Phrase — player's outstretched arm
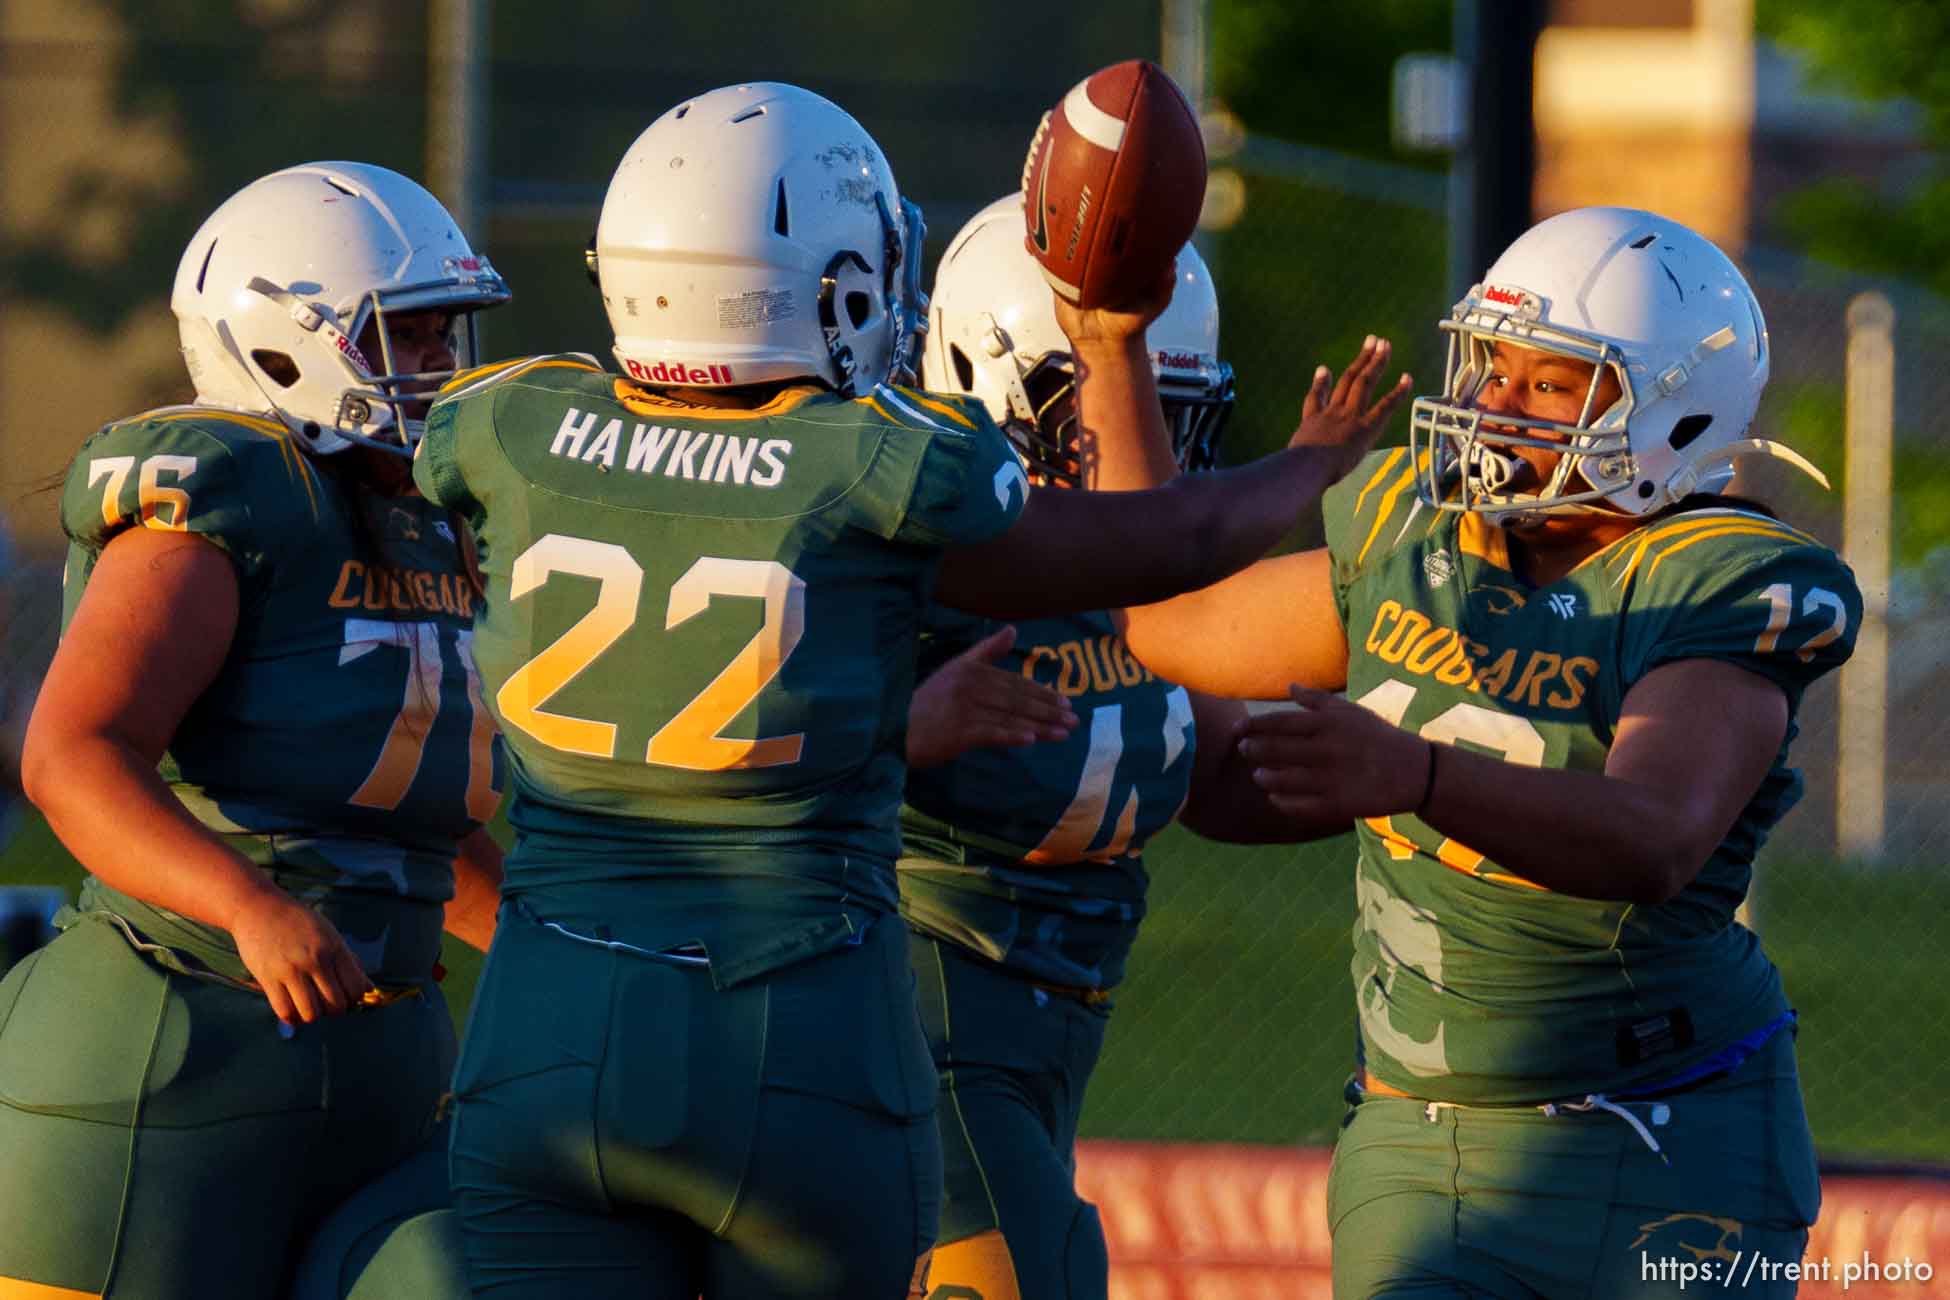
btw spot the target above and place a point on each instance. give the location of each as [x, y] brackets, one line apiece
[1076, 551]
[1225, 803]
[149, 636]
[1693, 743]
[1253, 634]
[1122, 442]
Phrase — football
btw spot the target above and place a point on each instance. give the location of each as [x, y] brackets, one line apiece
[1113, 184]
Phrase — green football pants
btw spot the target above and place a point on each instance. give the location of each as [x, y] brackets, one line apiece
[624, 1128]
[1509, 1202]
[396, 1237]
[1013, 1061]
[164, 1141]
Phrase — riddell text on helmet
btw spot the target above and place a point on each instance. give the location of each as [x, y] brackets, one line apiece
[677, 372]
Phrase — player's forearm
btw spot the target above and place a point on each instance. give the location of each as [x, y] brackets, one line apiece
[1579, 833]
[1231, 809]
[112, 810]
[470, 913]
[1121, 432]
[1102, 550]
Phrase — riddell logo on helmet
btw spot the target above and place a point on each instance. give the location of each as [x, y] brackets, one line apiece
[676, 372]
[1508, 297]
[351, 349]
[1180, 360]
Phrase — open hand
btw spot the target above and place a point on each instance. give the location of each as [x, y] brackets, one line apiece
[969, 703]
[298, 958]
[1339, 414]
[1333, 760]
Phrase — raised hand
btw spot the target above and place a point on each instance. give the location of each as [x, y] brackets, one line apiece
[969, 703]
[1339, 413]
[1116, 324]
[1333, 760]
[298, 958]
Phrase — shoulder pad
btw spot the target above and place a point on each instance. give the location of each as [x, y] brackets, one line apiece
[1367, 511]
[467, 382]
[911, 408]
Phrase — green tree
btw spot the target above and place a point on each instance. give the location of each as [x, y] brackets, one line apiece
[1880, 50]
[1319, 73]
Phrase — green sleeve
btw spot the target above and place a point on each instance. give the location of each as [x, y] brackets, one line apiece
[250, 492]
[964, 482]
[1356, 511]
[436, 461]
[1748, 592]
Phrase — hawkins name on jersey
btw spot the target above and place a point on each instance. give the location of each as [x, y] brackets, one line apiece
[699, 638]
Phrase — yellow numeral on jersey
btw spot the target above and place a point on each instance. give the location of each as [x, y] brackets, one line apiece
[399, 760]
[521, 697]
[481, 796]
[406, 741]
[1780, 613]
[1513, 738]
[151, 494]
[1069, 840]
[691, 739]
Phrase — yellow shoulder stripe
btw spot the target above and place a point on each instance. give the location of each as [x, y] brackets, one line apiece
[462, 378]
[1387, 465]
[1386, 505]
[1632, 549]
[879, 410]
[936, 404]
[1732, 530]
[504, 370]
[296, 462]
[255, 423]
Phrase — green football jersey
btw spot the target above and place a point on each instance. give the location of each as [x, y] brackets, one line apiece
[343, 747]
[699, 639]
[1032, 856]
[1473, 984]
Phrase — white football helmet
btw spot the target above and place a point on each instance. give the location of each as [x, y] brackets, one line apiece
[994, 335]
[755, 234]
[1639, 294]
[272, 293]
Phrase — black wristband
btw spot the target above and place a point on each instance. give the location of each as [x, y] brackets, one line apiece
[1428, 787]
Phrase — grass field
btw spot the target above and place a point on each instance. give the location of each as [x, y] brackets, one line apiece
[1236, 1023]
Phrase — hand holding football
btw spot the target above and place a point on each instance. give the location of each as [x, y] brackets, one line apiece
[1113, 184]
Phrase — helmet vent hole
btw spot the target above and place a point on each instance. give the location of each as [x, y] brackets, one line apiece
[1642, 243]
[283, 371]
[681, 110]
[781, 220]
[964, 368]
[1689, 428]
[1645, 490]
[341, 186]
[859, 308]
[204, 270]
[749, 114]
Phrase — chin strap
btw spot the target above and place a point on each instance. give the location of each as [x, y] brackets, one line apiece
[1687, 479]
